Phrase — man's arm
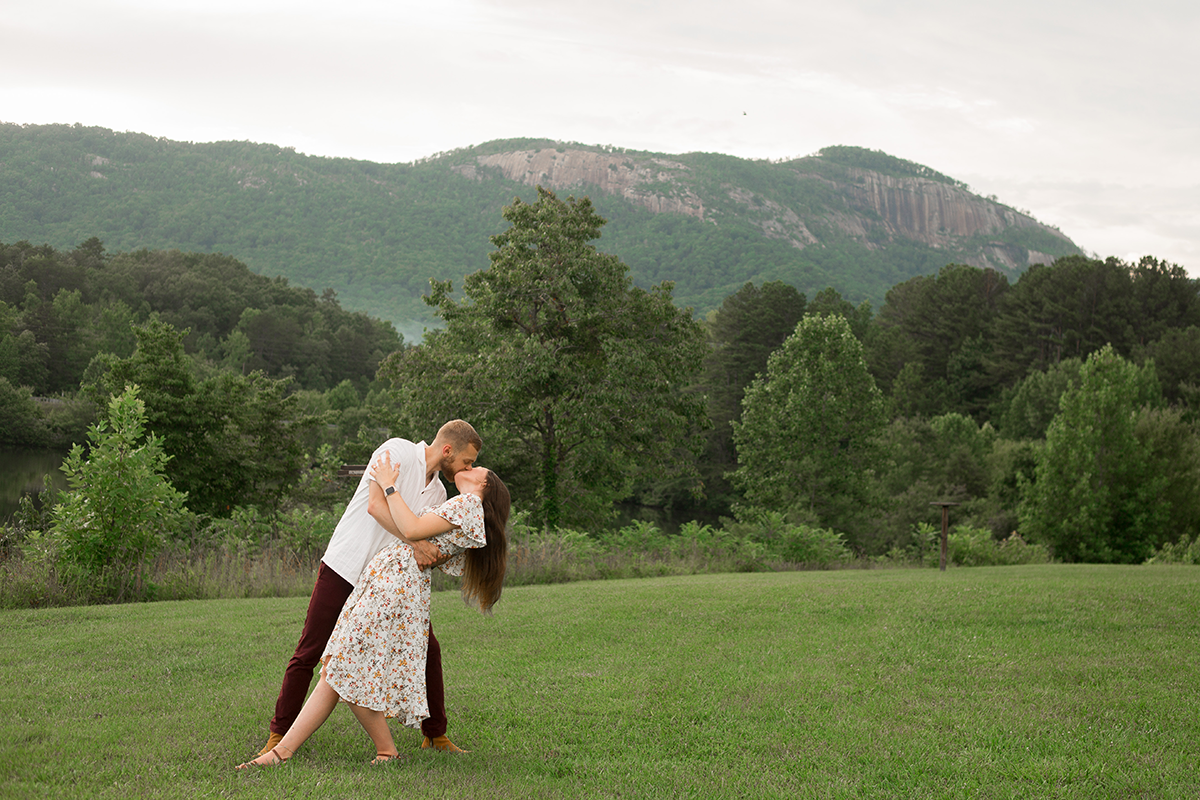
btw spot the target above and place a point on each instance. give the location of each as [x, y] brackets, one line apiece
[426, 552]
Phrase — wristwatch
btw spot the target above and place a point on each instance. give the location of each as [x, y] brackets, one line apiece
[389, 491]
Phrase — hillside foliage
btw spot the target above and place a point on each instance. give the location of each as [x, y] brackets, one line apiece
[378, 233]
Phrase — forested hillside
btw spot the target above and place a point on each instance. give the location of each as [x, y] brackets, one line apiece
[58, 310]
[852, 219]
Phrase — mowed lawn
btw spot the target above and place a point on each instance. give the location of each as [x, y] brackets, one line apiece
[1042, 681]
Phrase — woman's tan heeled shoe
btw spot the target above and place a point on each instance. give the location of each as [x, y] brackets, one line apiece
[385, 758]
[278, 759]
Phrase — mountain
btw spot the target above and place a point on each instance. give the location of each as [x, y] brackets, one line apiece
[854, 219]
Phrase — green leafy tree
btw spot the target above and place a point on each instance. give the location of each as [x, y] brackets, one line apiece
[10, 362]
[21, 422]
[830, 301]
[1035, 400]
[921, 460]
[32, 359]
[233, 439]
[930, 344]
[119, 507]
[1176, 360]
[1097, 496]
[1069, 309]
[743, 333]
[807, 435]
[1173, 447]
[574, 376]
[1164, 299]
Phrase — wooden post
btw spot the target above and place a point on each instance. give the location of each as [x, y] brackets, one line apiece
[945, 528]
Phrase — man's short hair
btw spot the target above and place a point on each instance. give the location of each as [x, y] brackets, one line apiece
[458, 433]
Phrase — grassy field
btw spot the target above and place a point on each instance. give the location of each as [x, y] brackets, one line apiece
[1014, 682]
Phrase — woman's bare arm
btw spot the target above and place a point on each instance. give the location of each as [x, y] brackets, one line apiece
[409, 524]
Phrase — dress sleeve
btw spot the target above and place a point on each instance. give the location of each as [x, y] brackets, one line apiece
[465, 511]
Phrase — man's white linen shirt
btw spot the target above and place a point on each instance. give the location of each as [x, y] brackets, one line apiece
[358, 537]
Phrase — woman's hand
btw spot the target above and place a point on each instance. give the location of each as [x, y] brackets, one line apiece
[385, 472]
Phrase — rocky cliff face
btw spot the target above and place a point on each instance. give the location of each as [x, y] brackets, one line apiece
[652, 183]
[939, 214]
[876, 208]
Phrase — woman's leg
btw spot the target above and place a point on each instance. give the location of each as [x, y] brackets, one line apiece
[317, 708]
[375, 724]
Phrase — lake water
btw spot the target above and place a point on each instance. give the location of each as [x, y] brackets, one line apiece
[22, 471]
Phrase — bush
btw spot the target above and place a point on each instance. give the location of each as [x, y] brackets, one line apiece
[21, 422]
[805, 544]
[119, 509]
[976, 547]
[1185, 551]
[793, 542]
[638, 536]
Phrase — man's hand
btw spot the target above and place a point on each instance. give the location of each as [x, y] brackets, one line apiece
[427, 553]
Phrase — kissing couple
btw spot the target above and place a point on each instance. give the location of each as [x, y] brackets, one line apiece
[368, 617]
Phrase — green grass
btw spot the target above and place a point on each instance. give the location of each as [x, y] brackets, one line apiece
[1034, 681]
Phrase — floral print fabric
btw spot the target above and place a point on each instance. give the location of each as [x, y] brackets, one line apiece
[376, 655]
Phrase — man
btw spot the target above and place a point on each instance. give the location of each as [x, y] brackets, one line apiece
[365, 528]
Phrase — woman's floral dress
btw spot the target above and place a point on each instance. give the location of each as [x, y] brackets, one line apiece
[376, 655]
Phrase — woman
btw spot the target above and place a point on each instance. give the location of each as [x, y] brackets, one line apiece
[375, 659]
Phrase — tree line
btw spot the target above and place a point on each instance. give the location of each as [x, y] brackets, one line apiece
[1060, 409]
[65, 317]
[1075, 390]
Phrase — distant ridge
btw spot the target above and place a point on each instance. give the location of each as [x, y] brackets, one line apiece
[855, 219]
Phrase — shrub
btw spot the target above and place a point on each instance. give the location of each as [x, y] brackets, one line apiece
[1185, 551]
[805, 544]
[976, 547]
[637, 536]
[119, 509]
[794, 542]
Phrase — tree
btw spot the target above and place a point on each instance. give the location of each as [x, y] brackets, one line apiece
[807, 434]
[1173, 448]
[830, 301]
[743, 333]
[1034, 401]
[119, 507]
[1164, 299]
[233, 439]
[1096, 496]
[575, 378]
[1176, 359]
[21, 422]
[931, 340]
[1069, 309]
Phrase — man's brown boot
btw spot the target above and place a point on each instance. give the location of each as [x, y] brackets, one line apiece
[442, 743]
[272, 740]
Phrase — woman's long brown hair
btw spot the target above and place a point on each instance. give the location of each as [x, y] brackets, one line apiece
[483, 576]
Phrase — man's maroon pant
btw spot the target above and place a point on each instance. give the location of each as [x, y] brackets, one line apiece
[324, 607]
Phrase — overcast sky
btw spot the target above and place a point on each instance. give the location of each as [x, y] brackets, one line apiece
[1084, 113]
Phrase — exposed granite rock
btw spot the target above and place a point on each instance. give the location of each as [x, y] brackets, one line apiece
[610, 172]
[878, 208]
[929, 211]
